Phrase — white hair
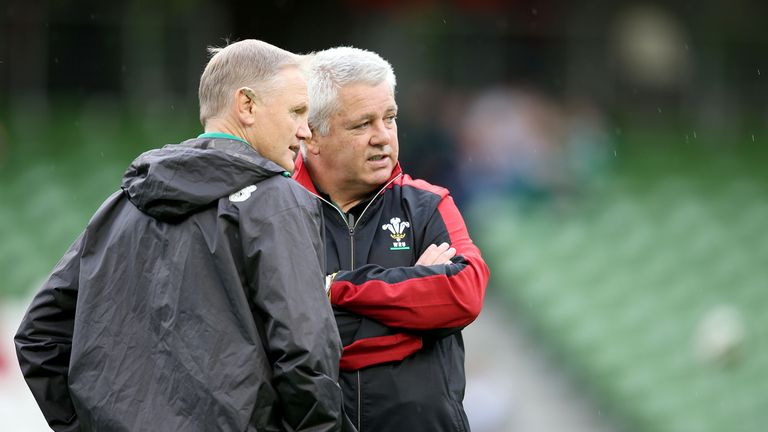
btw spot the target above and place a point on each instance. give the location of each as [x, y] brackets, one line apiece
[334, 68]
[247, 63]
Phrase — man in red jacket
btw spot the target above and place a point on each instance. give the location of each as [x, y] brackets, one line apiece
[404, 276]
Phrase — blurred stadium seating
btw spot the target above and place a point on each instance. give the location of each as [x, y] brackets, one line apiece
[619, 286]
[59, 175]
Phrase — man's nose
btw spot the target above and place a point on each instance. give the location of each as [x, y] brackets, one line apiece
[382, 135]
[304, 132]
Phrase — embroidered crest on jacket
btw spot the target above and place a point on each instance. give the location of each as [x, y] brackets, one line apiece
[396, 228]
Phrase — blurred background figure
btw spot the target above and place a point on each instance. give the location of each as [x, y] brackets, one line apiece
[17, 406]
[520, 144]
[610, 157]
[5, 359]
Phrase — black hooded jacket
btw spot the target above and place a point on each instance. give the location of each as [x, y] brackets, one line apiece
[193, 301]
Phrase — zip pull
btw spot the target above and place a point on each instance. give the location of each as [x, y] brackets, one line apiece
[351, 223]
[351, 227]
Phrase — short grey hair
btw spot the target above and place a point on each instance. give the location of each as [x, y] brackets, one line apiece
[334, 68]
[246, 63]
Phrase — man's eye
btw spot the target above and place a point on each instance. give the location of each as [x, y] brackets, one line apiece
[391, 119]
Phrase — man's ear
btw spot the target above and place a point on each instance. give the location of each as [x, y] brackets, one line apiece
[245, 102]
[312, 145]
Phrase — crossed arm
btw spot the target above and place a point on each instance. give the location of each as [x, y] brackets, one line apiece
[444, 290]
[436, 255]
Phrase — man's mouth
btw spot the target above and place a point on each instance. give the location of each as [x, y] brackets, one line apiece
[377, 158]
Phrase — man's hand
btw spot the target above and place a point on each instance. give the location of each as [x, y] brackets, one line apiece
[437, 255]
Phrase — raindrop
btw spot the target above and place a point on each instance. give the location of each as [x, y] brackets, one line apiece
[659, 108]
[753, 137]
[614, 153]
[686, 138]
[443, 20]
[534, 11]
[758, 71]
[694, 134]
[686, 47]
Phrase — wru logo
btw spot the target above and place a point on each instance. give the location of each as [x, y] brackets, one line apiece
[396, 228]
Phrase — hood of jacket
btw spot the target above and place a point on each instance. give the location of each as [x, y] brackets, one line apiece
[177, 180]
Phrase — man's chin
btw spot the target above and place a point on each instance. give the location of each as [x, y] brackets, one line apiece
[379, 178]
[287, 164]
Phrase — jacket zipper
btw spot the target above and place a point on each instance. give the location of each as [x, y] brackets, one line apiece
[359, 403]
[351, 225]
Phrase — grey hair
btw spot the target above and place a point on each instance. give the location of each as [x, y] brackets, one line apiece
[334, 68]
[246, 63]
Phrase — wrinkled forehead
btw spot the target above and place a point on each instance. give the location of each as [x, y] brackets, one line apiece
[366, 97]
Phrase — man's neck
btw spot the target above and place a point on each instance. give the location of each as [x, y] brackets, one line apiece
[223, 125]
[344, 196]
[346, 199]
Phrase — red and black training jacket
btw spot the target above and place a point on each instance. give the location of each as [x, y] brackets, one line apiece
[391, 313]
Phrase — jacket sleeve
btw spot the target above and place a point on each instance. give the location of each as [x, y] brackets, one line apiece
[437, 298]
[44, 341]
[283, 261]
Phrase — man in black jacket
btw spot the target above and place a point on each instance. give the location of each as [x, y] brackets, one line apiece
[404, 275]
[193, 300]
